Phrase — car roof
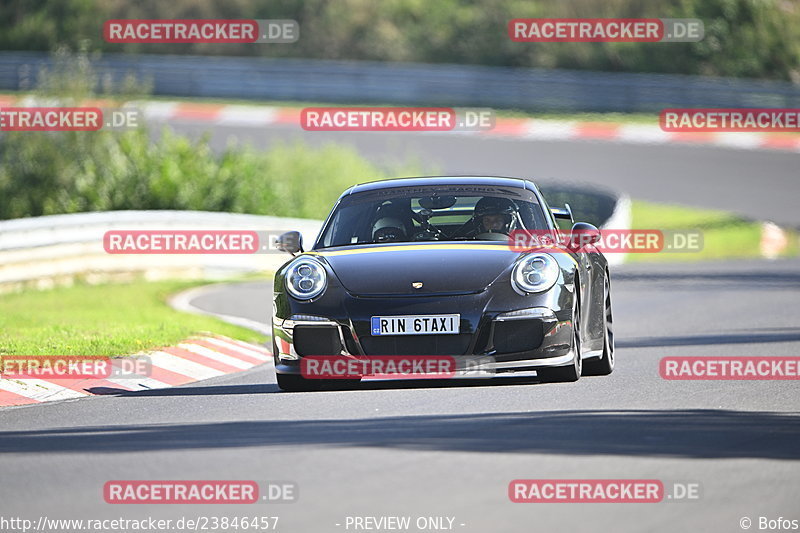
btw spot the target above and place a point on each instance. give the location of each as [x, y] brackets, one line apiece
[499, 181]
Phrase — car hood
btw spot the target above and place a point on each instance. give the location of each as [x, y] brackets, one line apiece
[442, 268]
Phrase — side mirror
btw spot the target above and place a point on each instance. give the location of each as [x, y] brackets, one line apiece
[583, 234]
[291, 241]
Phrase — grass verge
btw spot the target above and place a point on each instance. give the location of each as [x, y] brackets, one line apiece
[725, 235]
[109, 319]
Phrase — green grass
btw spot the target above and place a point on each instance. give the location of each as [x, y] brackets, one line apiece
[112, 319]
[725, 236]
[611, 118]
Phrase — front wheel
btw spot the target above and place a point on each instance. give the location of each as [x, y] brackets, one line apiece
[605, 364]
[295, 383]
[571, 372]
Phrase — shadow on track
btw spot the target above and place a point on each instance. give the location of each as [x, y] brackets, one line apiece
[788, 335]
[668, 433]
[272, 387]
[211, 390]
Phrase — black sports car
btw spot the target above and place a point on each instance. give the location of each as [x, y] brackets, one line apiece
[423, 267]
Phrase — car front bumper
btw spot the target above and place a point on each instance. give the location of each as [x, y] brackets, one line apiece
[519, 339]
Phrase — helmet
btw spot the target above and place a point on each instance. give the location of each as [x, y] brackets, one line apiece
[493, 206]
[388, 229]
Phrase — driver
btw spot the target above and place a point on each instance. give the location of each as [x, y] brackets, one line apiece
[494, 215]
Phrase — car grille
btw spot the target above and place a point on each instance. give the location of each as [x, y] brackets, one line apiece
[416, 344]
[317, 340]
[513, 336]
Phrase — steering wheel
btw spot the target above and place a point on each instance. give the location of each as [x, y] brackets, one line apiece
[423, 217]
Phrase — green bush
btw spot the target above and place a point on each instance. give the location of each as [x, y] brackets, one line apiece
[46, 174]
[71, 172]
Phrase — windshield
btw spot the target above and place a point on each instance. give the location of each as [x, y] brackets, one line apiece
[431, 214]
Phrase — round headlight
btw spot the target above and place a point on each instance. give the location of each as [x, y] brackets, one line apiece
[306, 279]
[535, 273]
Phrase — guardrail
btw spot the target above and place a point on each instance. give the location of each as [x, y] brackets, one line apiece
[365, 82]
[55, 250]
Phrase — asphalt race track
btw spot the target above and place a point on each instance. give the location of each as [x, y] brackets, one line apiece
[451, 449]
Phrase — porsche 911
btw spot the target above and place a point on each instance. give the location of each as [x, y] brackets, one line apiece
[423, 267]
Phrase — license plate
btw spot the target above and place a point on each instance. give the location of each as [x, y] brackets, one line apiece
[415, 324]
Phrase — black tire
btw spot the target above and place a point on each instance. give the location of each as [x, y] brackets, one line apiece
[572, 371]
[605, 364]
[296, 383]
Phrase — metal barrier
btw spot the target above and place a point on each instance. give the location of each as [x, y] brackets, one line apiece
[365, 82]
[42, 252]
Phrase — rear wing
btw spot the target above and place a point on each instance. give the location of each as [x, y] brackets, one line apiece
[565, 212]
